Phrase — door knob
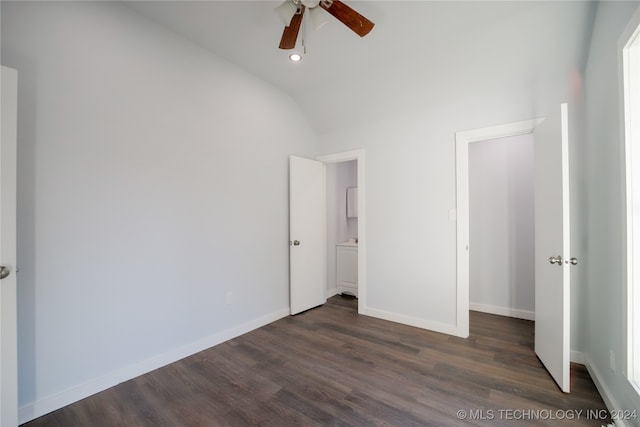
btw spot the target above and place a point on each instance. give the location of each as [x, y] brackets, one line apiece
[555, 260]
[296, 243]
[572, 261]
[4, 272]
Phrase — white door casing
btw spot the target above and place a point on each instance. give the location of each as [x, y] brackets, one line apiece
[306, 234]
[552, 243]
[8, 314]
[463, 139]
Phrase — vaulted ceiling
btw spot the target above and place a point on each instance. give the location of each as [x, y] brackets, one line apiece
[420, 53]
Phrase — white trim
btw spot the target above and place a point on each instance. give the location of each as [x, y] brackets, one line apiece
[344, 156]
[502, 311]
[357, 155]
[412, 321]
[332, 292]
[56, 401]
[325, 259]
[628, 64]
[463, 139]
[566, 247]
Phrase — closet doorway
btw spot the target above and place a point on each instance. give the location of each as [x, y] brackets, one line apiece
[553, 258]
[501, 226]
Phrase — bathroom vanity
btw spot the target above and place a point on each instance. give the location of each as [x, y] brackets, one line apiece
[347, 268]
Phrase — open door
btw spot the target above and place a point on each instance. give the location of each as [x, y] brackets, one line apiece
[552, 262]
[306, 234]
[8, 325]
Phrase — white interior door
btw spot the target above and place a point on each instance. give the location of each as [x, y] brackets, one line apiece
[306, 234]
[8, 328]
[552, 262]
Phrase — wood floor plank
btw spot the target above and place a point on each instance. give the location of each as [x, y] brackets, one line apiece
[332, 367]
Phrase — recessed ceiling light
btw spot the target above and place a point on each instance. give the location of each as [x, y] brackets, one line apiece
[295, 57]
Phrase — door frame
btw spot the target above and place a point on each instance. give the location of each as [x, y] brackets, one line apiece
[359, 157]
[463, 139]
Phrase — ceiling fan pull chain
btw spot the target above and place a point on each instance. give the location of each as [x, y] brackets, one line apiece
[304, 37]
[304, 45]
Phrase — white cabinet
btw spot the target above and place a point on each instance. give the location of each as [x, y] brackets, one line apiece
[347, 268]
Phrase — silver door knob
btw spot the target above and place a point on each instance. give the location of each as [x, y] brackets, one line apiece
[572, 261]
[4, 272]
[296, 243]
[555, 260]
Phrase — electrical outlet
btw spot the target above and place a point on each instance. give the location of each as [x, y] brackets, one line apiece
[612, 361]
[229, 298]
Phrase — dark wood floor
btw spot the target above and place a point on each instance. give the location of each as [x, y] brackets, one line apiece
[330, 366]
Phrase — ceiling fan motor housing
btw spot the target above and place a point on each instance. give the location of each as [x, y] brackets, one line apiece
[312, 4]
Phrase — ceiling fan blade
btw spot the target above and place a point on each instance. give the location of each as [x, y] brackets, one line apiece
[290, 33]
[349, 17]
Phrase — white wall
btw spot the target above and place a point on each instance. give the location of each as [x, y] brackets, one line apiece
[152, 180]
[501, 226]
[604, 146]
[339, 176]
[410, 181]
[410, 178]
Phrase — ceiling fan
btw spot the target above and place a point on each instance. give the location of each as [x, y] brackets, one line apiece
[292, 11]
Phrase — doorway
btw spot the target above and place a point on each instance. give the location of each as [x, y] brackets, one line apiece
[345, 226]
[463, 140]
[307, 230]
[501, 226]
[341, 181]
[552, 257]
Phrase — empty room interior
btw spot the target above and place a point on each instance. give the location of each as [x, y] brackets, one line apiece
[320, 213]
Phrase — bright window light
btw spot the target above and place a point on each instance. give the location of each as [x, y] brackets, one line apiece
[631, 69]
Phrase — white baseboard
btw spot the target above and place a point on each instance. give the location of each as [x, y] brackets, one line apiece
[503, 311]
[331, 292]
[577, 357]
[66, 397]
[606, 394]
[412, 321]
